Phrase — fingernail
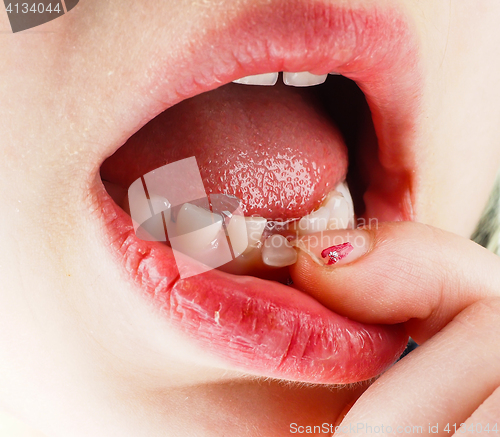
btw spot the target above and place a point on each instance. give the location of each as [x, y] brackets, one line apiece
[336, 248]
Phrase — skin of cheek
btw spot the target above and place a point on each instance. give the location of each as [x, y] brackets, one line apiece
[458, 146]
[56, 303]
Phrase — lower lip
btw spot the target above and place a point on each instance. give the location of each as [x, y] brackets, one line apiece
[257, 326]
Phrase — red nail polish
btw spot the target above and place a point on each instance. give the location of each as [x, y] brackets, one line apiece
[336, 253]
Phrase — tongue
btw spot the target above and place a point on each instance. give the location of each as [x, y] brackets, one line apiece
[272, 147]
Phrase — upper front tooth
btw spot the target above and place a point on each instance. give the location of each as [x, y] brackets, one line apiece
[316, 221]
[259, 79]
[303, 78]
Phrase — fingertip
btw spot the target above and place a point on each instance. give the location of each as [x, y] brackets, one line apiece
[408, 271]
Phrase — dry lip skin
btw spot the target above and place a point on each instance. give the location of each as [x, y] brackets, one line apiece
[263, 327]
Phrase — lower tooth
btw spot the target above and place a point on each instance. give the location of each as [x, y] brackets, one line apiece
[161, 210]
[317, 221]
[339, 212]
[343, 189]
[336, 212]
[160, 204]
[195, 229]
[237, 233]
[278, 252]
[199, 243]
[303, 78]
[147, 226]
[255, 227]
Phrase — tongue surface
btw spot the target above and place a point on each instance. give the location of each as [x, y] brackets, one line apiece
[272, 147]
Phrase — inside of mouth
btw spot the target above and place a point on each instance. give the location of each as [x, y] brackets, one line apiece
[280, 151]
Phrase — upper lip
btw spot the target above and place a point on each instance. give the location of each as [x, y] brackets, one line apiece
[372, 45]
[376, 48]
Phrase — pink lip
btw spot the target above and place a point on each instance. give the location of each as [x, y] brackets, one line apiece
[263, 327]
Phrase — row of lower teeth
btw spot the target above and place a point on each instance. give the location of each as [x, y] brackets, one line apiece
[302, 79]
[201, 234]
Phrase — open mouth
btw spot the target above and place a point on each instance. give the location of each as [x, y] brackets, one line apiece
[331, 147]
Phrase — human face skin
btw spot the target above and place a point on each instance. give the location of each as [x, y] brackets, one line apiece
[82, 352]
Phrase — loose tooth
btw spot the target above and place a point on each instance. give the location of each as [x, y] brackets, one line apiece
[255, 228]
[277, 252]
[340, 217]
[195, 228]
[303, 78]
[267, 79]
[343, 189]
[237, 233]
[316, 221]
